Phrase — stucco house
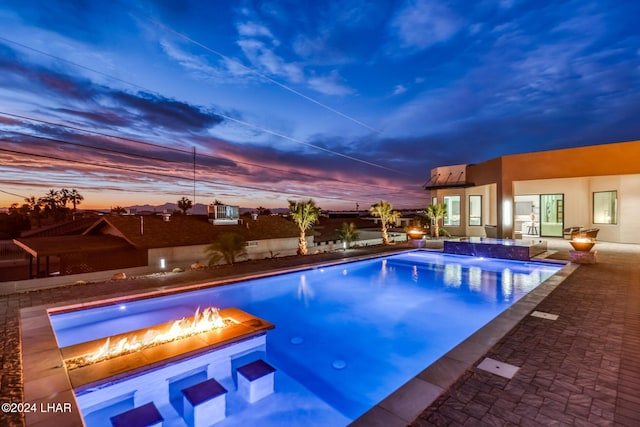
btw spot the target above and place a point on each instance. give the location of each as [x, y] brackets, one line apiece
[539, 194]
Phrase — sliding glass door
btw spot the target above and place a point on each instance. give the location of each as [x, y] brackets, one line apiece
[551, 215]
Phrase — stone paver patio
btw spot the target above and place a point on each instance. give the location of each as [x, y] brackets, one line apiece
[581, 369]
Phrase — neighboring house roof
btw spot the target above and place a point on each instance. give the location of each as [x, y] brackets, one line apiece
[75, 227]
[61, 245]
[186, 230]
[269, 227]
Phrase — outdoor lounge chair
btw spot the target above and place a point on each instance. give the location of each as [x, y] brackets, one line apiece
[571, 232]
[591, 233]
[491, 231]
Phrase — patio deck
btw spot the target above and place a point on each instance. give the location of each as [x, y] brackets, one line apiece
[581, 369]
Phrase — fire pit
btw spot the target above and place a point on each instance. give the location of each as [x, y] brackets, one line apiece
[583, 244]
[95, 362]
[205, 321]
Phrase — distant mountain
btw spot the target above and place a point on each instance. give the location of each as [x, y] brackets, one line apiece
[198, 209]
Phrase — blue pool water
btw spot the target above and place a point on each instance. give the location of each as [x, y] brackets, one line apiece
[350, 333]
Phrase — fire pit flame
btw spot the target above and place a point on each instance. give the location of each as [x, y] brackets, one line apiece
[206, 321]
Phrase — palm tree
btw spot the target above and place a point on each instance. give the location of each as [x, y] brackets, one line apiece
[387, 215]
[348, 233]
[118, 210]
[50, 201]
[304, 214]
[436, 213]
[263, 211]
[63, 197]
[184, 205]
[35, 207]
[75, 198]
[229, 246]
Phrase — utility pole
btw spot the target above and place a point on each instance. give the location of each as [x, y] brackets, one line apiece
[194, 176]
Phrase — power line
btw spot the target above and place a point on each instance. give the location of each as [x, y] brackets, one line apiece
[13, 194]
[244, 123]
[63, 60]
[293, 172]
[78, 144]
[184, 151]
[290, 138]
[121, 168]
[107, 135]
[159, 174]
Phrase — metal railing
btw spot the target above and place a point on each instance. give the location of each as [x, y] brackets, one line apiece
[9, 250]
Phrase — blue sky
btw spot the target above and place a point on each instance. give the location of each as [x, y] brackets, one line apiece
[344, 102]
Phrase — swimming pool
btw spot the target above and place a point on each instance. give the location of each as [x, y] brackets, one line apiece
[350, 334]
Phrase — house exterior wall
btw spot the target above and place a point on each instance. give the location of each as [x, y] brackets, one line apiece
[578, 202]
[628, 208]
[260, 249]
[576, 197]
[490, 173]
[184, 256]
[489, 213]
[178, 256]
[374, 237]
[598, 160]
[440, 195]
[576, 173]
[365, 238]
[603, 167]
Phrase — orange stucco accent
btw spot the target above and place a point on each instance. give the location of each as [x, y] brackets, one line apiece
[608, 159]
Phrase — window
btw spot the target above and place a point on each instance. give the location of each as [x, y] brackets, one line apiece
[434, 200]
[605, 207]
[475, 210]
[524, 208]
[452, 217]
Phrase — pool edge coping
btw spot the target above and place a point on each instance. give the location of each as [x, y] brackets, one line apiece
[50, 383]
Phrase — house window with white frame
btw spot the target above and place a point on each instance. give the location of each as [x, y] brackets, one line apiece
[475, 210]
[605, 207]
[452, 216]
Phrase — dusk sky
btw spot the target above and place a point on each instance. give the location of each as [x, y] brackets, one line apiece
[345, 102]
